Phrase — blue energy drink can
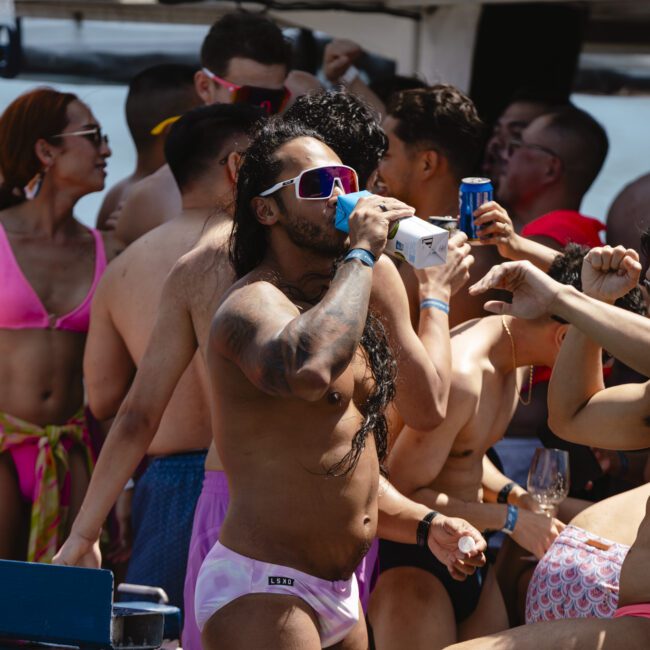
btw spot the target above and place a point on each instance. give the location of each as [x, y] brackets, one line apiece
[472, 194]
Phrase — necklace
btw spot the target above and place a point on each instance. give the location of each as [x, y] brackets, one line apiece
[514, 367]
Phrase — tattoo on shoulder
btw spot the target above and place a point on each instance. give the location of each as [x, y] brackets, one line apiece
[237, 331]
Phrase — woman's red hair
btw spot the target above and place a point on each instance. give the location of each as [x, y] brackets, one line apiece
[40, 113]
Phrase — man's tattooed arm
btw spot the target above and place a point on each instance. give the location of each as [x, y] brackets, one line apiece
[284, 352]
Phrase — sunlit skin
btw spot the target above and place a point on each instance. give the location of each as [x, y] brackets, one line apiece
[241, 72]
[156, 199]
[41, 369]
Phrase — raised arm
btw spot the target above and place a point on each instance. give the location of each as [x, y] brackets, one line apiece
[581, 409]
[338, 58]
[171, 348]
[623, 334]
[287, 353]
[424, 361]
[496, 229]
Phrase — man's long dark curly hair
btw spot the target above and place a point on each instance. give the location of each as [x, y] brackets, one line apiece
[383, 368]
[347, 124]
[260, 170]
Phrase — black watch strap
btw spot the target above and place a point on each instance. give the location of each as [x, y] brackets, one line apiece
[423, 529]
[502, 497]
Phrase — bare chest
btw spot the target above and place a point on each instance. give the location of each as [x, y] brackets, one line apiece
[492, 415]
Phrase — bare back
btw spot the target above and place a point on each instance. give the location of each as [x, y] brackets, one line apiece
[197, 285]
[133, 299]
[150, 202]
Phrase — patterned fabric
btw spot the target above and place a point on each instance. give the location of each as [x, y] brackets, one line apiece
[226, 575]
[577, 578]
[162, 513]
[51, 471]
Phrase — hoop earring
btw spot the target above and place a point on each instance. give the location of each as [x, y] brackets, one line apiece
[33, 187]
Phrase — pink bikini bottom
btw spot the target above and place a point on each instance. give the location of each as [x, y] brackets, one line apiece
[641, 610]
[577, 578]
[24, 457]
[226, 576]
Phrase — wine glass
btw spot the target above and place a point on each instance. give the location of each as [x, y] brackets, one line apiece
[548, 479]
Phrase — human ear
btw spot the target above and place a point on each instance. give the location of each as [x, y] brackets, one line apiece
[44, 153]
[430, 163]
[554, 169]
[233, 161]
[265, 209]
[560, 334]
[203, 87]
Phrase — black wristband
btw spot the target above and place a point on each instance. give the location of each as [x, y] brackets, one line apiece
[423, 529]
[502, 497]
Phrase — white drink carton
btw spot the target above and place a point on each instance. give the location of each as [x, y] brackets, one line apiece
[417, 242]
[413, 240]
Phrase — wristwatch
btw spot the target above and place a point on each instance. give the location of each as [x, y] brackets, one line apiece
[502, 497]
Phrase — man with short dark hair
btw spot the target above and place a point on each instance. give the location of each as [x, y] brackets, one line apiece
[203, 153]
[156, 97]
[244, 58]
[249, 50]
[548, 173]
[434, 137]
[523, 107]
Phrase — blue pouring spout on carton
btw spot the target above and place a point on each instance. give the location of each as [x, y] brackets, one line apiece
[345, 203]
[413, 240]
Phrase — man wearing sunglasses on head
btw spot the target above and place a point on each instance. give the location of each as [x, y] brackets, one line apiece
[244, 58]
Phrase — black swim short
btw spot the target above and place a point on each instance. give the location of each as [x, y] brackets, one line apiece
[463, 595]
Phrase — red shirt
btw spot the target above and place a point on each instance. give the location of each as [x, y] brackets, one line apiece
[566, 226]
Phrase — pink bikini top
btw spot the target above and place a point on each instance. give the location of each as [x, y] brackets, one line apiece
[21, 308]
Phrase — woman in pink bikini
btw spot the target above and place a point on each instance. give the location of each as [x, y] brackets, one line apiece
[52, 152]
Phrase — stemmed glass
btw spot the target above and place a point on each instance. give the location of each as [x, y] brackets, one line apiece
[548, 479]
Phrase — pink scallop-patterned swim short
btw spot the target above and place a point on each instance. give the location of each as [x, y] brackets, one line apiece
[577, 578]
